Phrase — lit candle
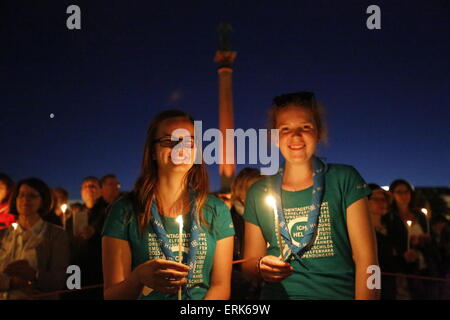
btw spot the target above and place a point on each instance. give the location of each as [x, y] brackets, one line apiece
[14, 225]
[273, 203]
[425, 212]
[409, 223]
[63, 210]
[179, 219]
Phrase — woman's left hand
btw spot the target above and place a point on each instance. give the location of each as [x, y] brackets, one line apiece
[21, 269]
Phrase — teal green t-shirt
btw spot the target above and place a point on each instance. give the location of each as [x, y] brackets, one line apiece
[122, 223]
[326, 270]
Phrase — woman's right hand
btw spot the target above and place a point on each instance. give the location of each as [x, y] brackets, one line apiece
[273, 269]
[162, 275]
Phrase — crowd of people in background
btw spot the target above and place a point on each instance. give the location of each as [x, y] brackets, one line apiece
[38, 238]
[411, 240]
[41, 233]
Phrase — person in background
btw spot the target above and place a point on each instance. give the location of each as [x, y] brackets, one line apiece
[440, 227]
[241, 288]
[110, 188]
[379, 204]
[243, 181]
[6, 187]
[419, 258]
[86, 240]
[34, 254]
[60, 196]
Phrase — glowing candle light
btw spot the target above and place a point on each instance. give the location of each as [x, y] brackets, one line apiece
[179, 220]
[409, 223]
[273, 203]
[14, 225]
[425, 212]
[63, 210]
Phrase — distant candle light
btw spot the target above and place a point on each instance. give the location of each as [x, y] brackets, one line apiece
[425, 212]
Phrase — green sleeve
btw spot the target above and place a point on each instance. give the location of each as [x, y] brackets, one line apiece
[355, 187]
[223, 224]
[116, 224]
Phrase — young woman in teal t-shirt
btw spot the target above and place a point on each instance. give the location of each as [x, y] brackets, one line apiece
[141, 234]
[327, 242]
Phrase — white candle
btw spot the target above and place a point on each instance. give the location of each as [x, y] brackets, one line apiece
[273, 203]
[425, 212]
[14, 225]
[179, 220]
[63, 210]
[409, 223]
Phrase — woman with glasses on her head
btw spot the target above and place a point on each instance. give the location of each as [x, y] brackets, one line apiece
[313, 239]
[34, 254]
[141, 234]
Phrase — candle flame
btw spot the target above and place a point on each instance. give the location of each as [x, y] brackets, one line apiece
[179, 220]
[409, 223]
[64, 207]
[424, 211]
[14, 225]
[271, 201]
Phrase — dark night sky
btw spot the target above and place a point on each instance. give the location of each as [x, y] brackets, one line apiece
[386, 91]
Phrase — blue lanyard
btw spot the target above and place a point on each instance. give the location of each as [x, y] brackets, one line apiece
[163, 240]
[319, 170]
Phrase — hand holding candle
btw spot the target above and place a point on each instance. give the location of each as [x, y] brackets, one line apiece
[179, 220]
[273, 203]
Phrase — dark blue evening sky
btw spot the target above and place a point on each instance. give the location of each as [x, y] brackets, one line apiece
[386, 91]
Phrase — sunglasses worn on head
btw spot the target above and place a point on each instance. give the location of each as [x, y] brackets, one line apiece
[167, 142]
[288, 98]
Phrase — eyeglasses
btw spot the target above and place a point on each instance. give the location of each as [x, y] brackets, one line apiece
[167, 142]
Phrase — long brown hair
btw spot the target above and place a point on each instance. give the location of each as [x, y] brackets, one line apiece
[196, 179]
